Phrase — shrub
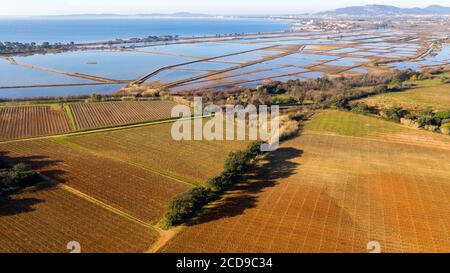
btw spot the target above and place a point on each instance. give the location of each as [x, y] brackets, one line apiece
[288, 130]
[185, 204]
[218, 183]
[236, 163]
[381, 89]
[16, 177]
[427, 117]
[443, 115]
[362, 108]
[254, 149]
[395, 113]
[297, 116]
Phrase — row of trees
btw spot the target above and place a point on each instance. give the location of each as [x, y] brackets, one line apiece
[426, 118]
[324, 91]
[185, 205]
[19, 48]
[24, 48]
[237, 164]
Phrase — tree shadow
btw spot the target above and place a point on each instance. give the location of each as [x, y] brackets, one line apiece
[244, 195]
[10, 202]
[10, 206]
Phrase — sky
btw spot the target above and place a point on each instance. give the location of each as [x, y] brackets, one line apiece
[227, 7]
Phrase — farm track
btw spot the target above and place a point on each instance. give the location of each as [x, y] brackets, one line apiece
[61, 164]
[315, 194]
[96, 202]
[47, 218]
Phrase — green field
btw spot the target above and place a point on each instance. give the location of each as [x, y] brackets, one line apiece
[349, 124]
[427, 93]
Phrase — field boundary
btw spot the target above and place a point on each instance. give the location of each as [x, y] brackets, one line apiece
[107, 129]
[63, 141]
[69, 113]
[314, 132]
[93, 200]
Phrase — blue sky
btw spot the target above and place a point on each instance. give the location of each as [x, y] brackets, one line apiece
[51, 7]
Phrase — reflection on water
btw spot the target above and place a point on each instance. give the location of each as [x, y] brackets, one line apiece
[13, 75]
[17, 93]
[120, 65]
[440, 58]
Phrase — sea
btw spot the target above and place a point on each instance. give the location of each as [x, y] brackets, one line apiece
[48, 29]
[117, 65]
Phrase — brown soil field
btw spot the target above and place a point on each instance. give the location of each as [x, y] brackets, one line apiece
[97, 115]
[153, 147]
[131, 189]
[45, 220]
[335, 190]
[32, 121]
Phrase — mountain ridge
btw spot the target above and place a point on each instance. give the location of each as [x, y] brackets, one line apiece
[380, 10]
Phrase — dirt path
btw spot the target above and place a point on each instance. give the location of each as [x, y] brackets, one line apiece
[164, 237]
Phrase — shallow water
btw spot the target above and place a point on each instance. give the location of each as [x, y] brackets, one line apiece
[441, 57]
[118, 65]
[174, 75]
[203, 49]
[14, 75]
[35, 92]
[347, 61]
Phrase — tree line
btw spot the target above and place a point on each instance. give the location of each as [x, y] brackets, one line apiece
[16, 177]
[187, 204]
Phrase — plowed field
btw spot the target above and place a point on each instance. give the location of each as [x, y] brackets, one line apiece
[47, 219]
[32, 121]
[97, 115]
[346, 181]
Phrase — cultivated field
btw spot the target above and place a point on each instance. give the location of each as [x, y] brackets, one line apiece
[47, 219]
[133, 190]
[97, 115]
[32, 121]
[428, 94]
[346, 181]
[154, 148]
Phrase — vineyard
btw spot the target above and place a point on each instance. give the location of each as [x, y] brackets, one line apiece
[138, 192]
[153, 147]
[98, 115]
[32, 121]
[47, 219]
[130, 174]
[332, 190]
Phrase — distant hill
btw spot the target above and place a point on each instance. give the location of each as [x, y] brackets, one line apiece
[380, 10]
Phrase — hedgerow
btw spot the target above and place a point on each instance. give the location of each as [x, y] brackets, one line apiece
[187, 204]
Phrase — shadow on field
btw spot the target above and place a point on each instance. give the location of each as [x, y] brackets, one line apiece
[10, 206]
[10, 202]
[244, 195]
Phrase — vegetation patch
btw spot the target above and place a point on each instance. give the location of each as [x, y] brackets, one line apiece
[185, 205]
[16, 177]
[70, 115]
